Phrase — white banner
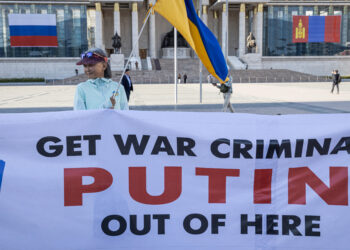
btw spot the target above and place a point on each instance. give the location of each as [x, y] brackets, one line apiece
[172, 180]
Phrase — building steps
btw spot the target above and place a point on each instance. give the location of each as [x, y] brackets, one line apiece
[191, 68]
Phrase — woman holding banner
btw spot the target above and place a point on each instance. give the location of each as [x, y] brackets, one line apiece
[98, 91]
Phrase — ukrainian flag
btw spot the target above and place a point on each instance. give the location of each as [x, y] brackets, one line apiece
[182, 15]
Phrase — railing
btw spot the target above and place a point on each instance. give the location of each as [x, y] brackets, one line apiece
[248, 79]
[169, 79]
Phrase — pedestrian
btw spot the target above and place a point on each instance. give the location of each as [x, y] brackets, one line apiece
[76, 72]
[127, 83]
[179, 78]
[226, 89]
[98, 92]
[185, 78]
[336, 80]
[210, 78]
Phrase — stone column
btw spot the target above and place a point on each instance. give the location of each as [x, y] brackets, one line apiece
[255, 23]
[345, 25]
[99, 30]
[259, 27]
[216, 25]
[224, 31]
[135, 28]
[242, 33]
[116, 18]
[205, 14]
[152, 34]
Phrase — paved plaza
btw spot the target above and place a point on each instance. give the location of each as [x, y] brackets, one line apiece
[259, 98]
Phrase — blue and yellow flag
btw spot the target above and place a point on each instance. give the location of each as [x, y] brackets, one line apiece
[182, 15]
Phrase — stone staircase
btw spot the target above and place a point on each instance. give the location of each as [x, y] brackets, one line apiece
[191, 68]
[273, 75]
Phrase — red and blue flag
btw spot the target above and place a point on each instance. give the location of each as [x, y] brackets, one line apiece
[316, 29]
[33, 30]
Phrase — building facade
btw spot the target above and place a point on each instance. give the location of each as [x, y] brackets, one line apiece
[84, 24]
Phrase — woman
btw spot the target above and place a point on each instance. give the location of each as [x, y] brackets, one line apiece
[98, 91]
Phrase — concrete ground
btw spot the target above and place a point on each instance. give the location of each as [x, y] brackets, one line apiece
[259, 98]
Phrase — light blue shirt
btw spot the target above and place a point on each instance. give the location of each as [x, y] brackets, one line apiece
[96, 93]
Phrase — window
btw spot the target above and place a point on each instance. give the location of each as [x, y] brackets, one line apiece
[309, 13]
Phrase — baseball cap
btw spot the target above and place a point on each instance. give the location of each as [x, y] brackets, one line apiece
[91, 57]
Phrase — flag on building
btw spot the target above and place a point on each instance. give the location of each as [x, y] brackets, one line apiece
[316, 29]
[33, 30]
[182, 15]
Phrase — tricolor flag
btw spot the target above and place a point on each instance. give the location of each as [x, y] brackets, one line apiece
[182, 15]
[33, 30]
[316, 29]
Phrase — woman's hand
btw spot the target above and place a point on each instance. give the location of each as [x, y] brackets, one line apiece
[112, 101]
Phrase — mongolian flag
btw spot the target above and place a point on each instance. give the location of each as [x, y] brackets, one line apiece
[316, 29]
[182, 15]
[33, 30]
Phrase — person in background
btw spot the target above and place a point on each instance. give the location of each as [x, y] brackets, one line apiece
[179, 78]
[336, 80]
[185, 78]
[98, 92]
[76, 72]
[127, 83]
[210, 78]
[227, 92]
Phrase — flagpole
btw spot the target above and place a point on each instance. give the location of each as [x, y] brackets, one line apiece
[226, 38]
[175, 63]
[200, 62]
[133, 49]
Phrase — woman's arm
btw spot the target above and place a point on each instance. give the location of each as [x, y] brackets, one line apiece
[113, 101]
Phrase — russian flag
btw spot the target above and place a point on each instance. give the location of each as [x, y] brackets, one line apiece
[316, 29]
[33, 30]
